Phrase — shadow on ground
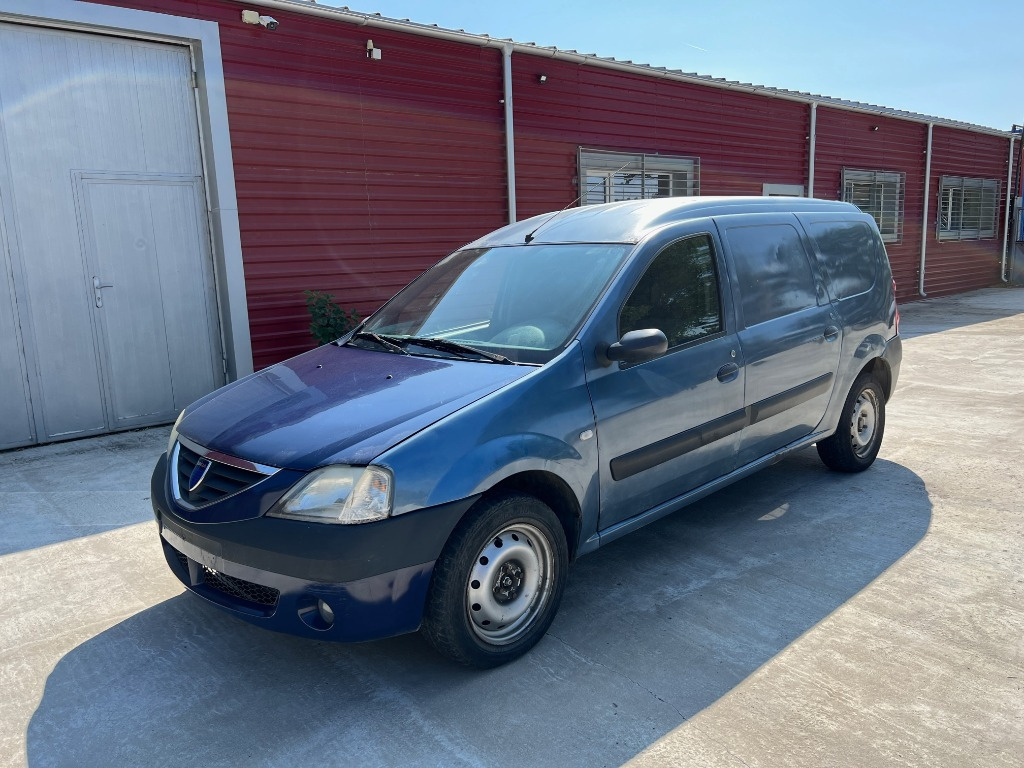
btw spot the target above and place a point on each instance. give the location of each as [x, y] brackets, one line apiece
[63, 491]
[923, 317]
[653, 628]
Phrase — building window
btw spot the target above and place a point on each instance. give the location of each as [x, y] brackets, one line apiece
[607, 177]
[968, 208]
[879, 194]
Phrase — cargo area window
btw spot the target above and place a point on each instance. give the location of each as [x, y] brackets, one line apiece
[608, 177]
[968, 208]
[773, 270]
[848, 254]
[879, 194]
[678, 294]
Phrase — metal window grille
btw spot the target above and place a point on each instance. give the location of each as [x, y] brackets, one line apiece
[968, 208]
[607, 177]
[879, 194]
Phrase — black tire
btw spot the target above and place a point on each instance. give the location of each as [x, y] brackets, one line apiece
[498, 582]
[858, 437]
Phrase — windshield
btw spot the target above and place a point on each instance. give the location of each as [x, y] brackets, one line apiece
[521, 302]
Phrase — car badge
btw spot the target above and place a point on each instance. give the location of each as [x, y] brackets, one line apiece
[198, 474]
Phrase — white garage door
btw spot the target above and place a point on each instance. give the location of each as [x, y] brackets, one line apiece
[108, 315]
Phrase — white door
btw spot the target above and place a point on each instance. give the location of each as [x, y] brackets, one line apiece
[111, 321]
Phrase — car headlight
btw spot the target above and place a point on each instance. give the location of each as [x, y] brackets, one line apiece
[174, 433]
[338, 494]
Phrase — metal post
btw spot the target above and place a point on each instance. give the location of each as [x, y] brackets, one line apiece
[924, 217]
[510, 143]
[810, 150]
[1006, 216]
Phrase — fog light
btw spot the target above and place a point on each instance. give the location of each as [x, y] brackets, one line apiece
[326, 614]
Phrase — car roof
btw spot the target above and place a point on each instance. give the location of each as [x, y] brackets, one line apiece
[632, 220]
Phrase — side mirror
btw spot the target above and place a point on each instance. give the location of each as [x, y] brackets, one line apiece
[638, 346]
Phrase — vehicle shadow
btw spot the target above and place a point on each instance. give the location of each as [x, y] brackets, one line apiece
[653, 628]
[923, 317]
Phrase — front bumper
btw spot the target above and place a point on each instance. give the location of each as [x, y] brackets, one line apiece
[275, 573]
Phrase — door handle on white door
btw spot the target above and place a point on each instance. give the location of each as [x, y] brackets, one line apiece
[98, 285]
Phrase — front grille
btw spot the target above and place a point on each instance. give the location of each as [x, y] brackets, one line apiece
[240, 589]
[221, 480]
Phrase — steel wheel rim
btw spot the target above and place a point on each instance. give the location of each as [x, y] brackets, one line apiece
[510, 583]
[864, 423]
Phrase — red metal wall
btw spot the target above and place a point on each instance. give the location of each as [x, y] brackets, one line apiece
[742, 140]
[953, 266]
[849, 140]
[353, 175]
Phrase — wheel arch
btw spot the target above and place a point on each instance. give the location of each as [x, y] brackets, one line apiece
[881, 372]
[553, 491]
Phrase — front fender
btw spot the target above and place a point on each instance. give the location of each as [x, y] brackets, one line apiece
[509, 455]
[543, 421]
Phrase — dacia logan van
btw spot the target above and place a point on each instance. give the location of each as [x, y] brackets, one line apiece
[533, 396]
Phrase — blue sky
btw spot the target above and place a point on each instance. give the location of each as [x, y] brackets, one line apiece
[962, 60]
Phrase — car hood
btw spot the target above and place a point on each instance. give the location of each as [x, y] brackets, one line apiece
[338, 405]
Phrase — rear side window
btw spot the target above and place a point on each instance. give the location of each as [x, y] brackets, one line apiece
[678, 294]
[847, 253]
[773, 271]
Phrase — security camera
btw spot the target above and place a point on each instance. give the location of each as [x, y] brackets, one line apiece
[253, 17]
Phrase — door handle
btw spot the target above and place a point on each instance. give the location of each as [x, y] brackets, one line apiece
[831, 333]
[98, 285]
[728, 372]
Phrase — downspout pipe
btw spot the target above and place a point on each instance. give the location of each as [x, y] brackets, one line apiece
[810, 149]
[924, 216]
[510, 134]
[1006, 216]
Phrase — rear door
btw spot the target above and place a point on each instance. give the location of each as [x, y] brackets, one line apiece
[670, 424]
[789, 336]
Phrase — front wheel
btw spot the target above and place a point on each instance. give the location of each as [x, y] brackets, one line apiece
[856, 441]
[498, 582]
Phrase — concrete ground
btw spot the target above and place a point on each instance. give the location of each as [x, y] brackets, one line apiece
[799, 618]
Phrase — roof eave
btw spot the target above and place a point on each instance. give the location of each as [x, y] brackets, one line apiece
[432, 30]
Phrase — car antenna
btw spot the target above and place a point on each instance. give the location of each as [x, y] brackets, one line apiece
[531, 235]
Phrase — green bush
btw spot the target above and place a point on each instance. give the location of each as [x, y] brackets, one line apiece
[330, 321]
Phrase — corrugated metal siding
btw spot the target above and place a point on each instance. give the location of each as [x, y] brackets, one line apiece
[848, 139]
[353, 175]
[743, 141]
[954, 266]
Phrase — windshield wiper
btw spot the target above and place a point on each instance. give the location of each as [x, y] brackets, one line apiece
[463, 350]
[388, 342]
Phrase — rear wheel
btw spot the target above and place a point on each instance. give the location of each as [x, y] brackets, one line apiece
[856, 441]
[498, 582]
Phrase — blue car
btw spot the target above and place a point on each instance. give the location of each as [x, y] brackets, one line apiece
[541, 392]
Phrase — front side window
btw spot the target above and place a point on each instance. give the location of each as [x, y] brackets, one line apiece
[609, 177]
[523, 302]
[880, 195]
[678, 294]
[968, 208]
